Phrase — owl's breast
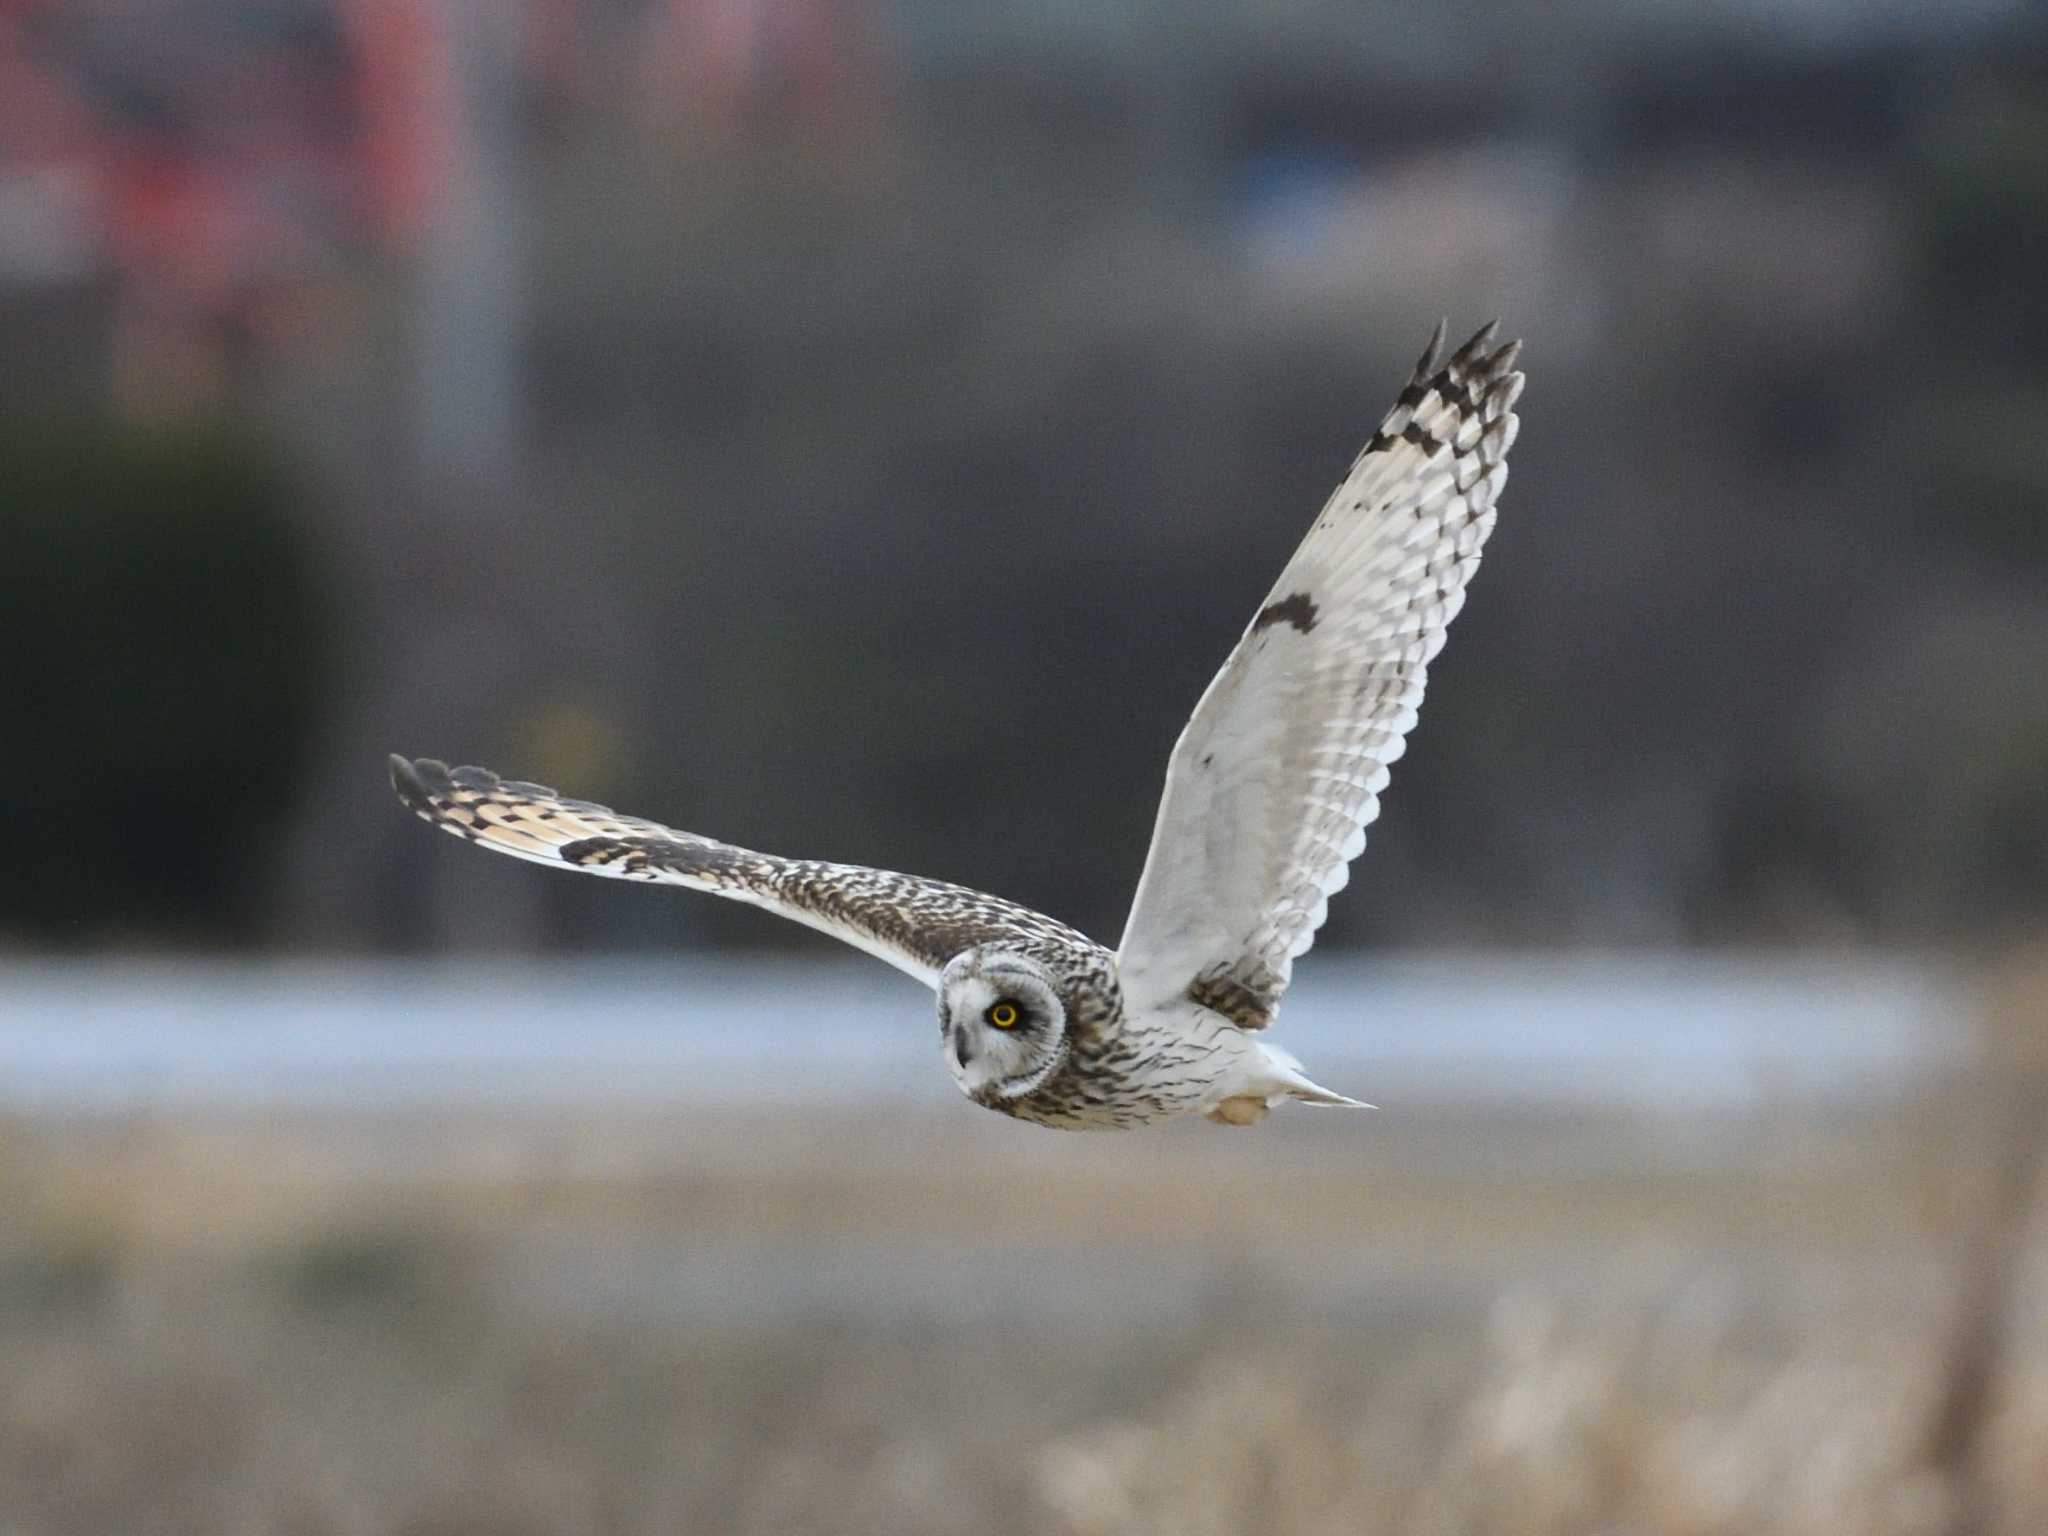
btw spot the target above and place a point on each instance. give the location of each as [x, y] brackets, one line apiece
[1122, 1073]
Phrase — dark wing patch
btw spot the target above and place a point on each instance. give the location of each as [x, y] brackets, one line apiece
[1246, 1002]
[1298, 609]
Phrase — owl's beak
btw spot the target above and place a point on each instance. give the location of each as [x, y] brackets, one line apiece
[962, 1051]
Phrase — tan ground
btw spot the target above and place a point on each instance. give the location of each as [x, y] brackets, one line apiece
[634, 1319]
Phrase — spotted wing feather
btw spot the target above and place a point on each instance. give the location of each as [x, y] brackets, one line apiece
[915, 924]
[1279, 772]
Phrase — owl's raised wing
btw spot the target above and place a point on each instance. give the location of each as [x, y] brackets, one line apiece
[915, 924]
[1277, 775]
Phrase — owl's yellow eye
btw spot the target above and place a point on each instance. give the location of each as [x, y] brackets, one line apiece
[1003, 1015]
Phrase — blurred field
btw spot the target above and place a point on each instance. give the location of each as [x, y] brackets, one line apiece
[641, 1319]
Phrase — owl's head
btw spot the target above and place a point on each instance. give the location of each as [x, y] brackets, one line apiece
[1001, 1023]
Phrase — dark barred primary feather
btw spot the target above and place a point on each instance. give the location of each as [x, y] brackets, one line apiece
[915, 924]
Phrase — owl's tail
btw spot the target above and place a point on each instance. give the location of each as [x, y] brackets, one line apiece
[1277, 1078]
[1295, 1082]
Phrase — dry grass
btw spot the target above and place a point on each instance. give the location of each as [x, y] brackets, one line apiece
[1484, 1327]
[1661, 1423]
[379, 1385]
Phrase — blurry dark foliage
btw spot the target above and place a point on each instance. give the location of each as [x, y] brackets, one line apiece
[1981, 179]
[168, 650]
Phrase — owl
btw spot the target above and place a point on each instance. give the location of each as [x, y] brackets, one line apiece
[1268, 794]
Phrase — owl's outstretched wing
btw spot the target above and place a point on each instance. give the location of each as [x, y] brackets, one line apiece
[1278, 773]
[915, 924]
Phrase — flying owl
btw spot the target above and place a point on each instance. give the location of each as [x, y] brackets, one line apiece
[1268, 794]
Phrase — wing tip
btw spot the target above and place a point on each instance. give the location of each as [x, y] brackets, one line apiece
[1475, 345]
[409, 778]
[1493, 381]
[1486, 374]
[427, 784]
[1425, 365]
[1481, 359]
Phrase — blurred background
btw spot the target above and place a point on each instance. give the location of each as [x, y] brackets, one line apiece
[859, 428]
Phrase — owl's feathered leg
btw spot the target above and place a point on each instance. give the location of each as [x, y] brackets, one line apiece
[1243, 1110]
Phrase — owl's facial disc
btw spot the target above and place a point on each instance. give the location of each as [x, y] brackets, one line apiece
[1001, 1024]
